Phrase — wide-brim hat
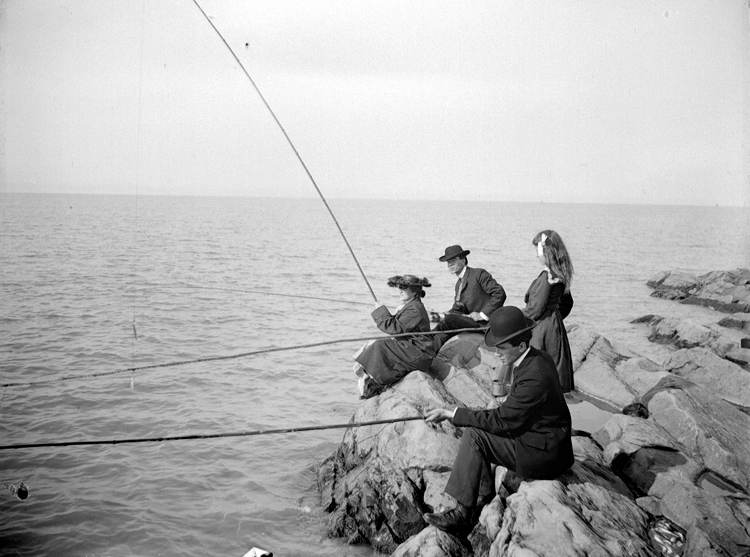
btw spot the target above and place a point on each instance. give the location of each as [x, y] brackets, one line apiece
[408, 280]
[506, 323]
[454, 251]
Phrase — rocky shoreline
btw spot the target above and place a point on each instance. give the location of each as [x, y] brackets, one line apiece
[672, 472]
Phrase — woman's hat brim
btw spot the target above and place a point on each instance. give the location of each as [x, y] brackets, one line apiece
[408, 280]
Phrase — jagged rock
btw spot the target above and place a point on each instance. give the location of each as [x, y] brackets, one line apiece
[581, 341]
[432, 542]
[710, 430]
[623, 434]
[739, 321]
[722, 377]
[715, 523]
[685, 333]
[382, 478]
[572, 517]
[654, 471]
[610, 375]
[726, 291]
[461, 351]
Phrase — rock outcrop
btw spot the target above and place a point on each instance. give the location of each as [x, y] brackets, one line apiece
[679, 460]
[725, 291]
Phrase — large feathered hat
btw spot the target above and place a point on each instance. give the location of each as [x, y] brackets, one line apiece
[408, 280]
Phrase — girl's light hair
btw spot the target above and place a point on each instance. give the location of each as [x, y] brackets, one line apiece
[555, 256]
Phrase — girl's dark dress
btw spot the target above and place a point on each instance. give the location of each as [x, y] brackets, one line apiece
[389, 360]
[542, 299]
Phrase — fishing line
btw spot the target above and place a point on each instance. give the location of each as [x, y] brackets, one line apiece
[137, 177]
[265, 293]
[207, 436]
[299, 158]
[236, 356]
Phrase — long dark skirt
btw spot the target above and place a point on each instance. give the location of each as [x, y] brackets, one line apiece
[550, 335]
[389, 360]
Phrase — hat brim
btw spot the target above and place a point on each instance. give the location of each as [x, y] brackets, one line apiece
[459, 254]
[492, 340]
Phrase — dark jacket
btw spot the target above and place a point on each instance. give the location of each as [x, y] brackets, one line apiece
[389, 360]
[479, 292]
[535, 415]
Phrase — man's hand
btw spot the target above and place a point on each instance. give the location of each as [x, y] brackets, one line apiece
[437, 415]
[434, 317]
[476, 316]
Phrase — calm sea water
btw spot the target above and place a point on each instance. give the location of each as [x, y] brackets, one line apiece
[91, 284]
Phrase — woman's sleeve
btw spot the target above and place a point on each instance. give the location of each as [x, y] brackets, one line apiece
[537, 297]
[405, 321]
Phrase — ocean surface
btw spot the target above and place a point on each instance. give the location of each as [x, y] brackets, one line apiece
[95, 284]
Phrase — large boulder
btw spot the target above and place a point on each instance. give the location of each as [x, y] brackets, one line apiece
[685, 333]
[383, 478]
[588, 511]
[617, 376]
[739, 321]
[709, 429]
[722, 377]
[726, 291]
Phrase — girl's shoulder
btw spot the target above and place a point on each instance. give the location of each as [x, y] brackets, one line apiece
[549, 275]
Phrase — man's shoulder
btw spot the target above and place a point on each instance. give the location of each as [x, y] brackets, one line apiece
[538, 359]
[477, 271]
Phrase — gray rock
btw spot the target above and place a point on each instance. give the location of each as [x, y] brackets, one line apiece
[739, 321]
[382, 478]
[715, 524]
[432, 542]
[722, 377]
[460, 351]
[685, 333]
[572, 518]
[709, 429]
[726, 291]
[626, 434]
[616, 376]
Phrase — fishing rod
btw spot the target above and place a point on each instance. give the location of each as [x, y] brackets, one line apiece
[234, 356]
[207, 436]
[299, 158]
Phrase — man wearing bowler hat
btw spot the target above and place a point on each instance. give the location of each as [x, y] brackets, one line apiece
[529, 433]
[477, 296]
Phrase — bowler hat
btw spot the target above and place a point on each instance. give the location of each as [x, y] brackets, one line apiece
[454, 251]
[408, 280]
[506, 323]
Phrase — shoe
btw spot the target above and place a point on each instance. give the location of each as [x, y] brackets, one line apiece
[456, 521]
[371, 388]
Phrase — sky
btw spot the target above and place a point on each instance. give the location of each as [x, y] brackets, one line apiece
[582, 101]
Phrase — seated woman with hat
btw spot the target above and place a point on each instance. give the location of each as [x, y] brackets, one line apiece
[382, 362]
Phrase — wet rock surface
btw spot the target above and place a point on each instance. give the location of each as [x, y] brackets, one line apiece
[638, 485]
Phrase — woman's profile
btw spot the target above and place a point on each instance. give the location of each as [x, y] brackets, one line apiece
[382, 362]
[543, 303]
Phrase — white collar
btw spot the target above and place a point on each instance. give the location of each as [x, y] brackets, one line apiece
[521, 357]
[463, 272]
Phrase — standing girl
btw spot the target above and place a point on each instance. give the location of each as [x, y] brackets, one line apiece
[542, 303]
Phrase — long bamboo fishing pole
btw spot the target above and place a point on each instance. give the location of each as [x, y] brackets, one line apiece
[231, 357]
[207, 436]
[299, 158]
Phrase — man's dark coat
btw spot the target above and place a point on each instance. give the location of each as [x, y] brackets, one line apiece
[535, 415]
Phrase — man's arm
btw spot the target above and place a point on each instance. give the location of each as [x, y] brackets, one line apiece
[510, 417]
[495, 291]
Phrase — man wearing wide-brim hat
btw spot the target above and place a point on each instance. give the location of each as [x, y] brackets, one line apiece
[529, 433]
[477, 296]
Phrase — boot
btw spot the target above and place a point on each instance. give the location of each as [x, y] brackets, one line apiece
[456, 521]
